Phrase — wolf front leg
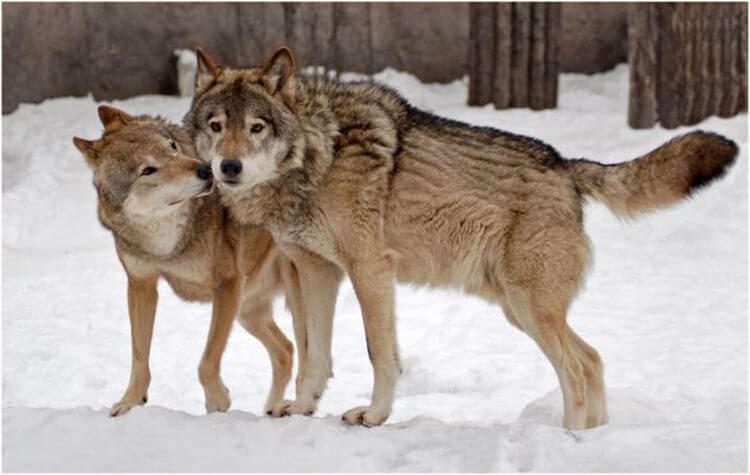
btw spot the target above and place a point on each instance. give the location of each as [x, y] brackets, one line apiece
[142, 297]
[373, 278]
[312, 292]
[225, 304]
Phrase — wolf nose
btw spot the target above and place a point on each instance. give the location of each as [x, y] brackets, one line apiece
[204, 172]
[231, 167]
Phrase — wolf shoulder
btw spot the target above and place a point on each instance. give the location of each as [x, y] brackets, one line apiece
[382, 117]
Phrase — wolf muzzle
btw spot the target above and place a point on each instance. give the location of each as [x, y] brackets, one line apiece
[231, 167]
[204, 172]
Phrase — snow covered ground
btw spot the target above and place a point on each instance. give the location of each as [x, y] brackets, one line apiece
[665, 305]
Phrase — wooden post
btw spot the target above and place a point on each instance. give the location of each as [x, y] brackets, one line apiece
[537, 57]
[486, 52]
[687, 61]
[717, 60]
[552, 51]
[731, 38]
[482, 61]
[519, 80]
[513, 54]
[688, 56]
[702, 63]
[669, 76]
[643, 41]
[503, 50]
[742, 59]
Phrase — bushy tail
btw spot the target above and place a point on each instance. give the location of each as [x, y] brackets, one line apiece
[660, 178]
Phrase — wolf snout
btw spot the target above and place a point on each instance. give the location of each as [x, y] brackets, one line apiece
[231, 167]
[204, 172]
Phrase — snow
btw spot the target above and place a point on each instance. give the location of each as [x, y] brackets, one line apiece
[665, 305]
[187, 66]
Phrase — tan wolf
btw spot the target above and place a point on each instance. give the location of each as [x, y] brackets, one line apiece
[349, 177]
[157, 202]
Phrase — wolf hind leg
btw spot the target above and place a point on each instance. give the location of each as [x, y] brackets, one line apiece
[256, 316]
[593, 370]
[546, 326]
[312, 297]
[544, 263]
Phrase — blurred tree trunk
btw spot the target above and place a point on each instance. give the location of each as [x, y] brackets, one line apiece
[513, 54]
[687, 62]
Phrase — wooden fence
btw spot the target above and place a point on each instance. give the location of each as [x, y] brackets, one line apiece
[687, 62]
[119, 50]
[513, 54]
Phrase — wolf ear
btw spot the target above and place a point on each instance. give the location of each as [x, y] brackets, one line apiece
[87, 148]
[208, 71]
[113, 119]
[278, 74]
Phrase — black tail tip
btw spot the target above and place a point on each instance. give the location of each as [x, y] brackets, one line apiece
[712, 156]
[718, 139]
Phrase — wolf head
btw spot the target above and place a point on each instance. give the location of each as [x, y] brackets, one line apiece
[243, 121]
[143, 167]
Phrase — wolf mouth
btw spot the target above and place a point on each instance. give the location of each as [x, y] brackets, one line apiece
[207, 190]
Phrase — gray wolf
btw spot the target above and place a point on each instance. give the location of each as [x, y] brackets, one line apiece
[351, 178]
[156, 200]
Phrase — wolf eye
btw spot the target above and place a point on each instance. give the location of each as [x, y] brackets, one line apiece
[148, 171]
[215, 126]
[173, 144]
[257, 128]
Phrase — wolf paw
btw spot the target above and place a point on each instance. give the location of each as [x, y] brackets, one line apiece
[290, 408]
[125, 405]
[218, 400]
[365, 415]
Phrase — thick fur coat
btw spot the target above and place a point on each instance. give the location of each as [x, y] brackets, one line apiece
[351, 178]
[156, 200]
